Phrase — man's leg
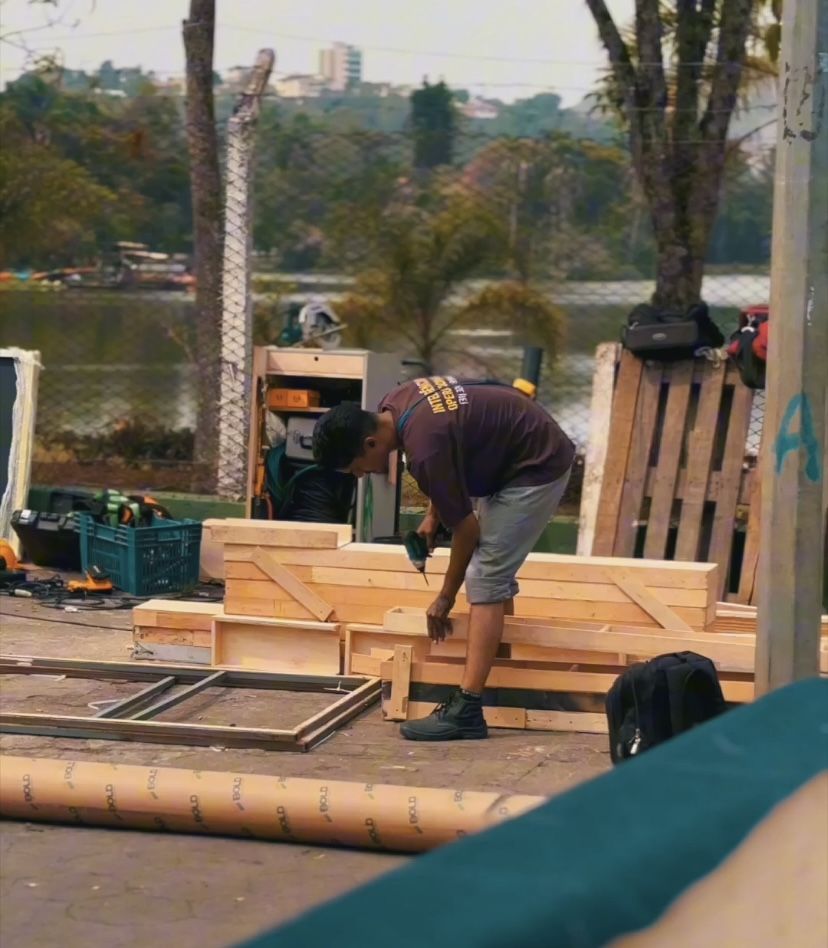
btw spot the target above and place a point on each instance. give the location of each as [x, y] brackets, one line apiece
[510, 524]
[485, 633]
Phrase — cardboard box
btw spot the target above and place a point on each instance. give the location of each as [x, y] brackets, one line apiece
[292, 398]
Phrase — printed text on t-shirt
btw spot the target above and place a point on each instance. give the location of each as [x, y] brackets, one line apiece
[442, 393]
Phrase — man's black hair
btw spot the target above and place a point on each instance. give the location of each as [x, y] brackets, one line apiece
[339, 435]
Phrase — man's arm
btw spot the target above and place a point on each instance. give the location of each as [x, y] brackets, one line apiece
[463, 542]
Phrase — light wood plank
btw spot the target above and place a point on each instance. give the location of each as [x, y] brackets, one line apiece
[533, 679]
[629, 510]
[276, 647]
[293, 586]
[279, 533]
[553, 567]
[618, 451]
[600, 414]
[378, 601]
[700, 444]
[662, 614]
[724, 519]
[583, 722]
[397, 707]
[667, 467]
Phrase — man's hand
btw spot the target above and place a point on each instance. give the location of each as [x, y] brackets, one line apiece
[429, 526]
[437, 617]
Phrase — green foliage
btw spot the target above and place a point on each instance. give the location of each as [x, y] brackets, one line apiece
[415, 287]
[433, 124]
[80, 171]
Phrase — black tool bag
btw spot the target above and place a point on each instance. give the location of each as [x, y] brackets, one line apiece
[656, 334]
[655, 700]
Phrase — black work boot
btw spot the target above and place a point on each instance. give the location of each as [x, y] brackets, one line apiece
[459, 718]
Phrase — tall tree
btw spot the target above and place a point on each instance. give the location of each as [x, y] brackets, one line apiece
[434, 125]
[205, 186]
[675, 80]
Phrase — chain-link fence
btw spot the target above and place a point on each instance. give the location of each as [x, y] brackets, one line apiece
[454, 267]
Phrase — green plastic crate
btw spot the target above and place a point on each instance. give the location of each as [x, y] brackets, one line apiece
[143, 561]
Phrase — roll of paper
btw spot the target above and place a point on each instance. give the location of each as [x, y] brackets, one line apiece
[287, 809]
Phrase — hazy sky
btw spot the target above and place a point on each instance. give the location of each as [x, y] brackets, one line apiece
[503, 48]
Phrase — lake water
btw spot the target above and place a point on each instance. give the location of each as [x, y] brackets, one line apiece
[109, 357]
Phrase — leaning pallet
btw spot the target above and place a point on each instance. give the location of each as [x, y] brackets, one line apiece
[271, 573]
[675, 468]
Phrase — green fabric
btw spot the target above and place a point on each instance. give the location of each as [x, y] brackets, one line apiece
[603, 859]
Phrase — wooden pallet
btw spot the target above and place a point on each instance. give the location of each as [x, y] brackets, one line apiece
[675, 470]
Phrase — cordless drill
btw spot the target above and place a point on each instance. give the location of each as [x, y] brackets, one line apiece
[416, 547]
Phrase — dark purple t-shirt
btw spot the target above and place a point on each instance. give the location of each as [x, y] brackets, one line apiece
[465, 439]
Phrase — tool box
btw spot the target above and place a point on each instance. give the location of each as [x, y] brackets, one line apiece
[48, 539]
[299, 444]
[292, 398]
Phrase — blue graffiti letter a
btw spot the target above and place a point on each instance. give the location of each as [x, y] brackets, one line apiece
[788, 441]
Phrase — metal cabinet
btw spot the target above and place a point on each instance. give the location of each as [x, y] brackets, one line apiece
[339, 375]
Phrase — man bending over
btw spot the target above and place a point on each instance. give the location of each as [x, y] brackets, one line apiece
[462, 440]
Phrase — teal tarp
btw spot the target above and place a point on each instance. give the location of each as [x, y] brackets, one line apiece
[603, 859]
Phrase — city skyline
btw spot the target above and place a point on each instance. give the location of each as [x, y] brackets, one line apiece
[503, 53]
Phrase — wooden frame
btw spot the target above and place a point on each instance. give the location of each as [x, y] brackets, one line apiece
[282, 646]
[130, 719]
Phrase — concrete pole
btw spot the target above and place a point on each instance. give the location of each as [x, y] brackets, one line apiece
[793, 500]
[236, 315]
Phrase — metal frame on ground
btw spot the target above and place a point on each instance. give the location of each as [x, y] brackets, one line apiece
[129, 719]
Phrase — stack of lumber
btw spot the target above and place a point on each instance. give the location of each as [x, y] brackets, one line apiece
[287, 571]
[173, 630]
[301, 598]
[735, 617]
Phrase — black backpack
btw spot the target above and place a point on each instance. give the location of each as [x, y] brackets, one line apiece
[652, 333]
[655, 700]
[307, 492]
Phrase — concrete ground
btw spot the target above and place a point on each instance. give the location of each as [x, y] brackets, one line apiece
[68, 886]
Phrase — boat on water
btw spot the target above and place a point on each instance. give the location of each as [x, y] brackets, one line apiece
[127, 266]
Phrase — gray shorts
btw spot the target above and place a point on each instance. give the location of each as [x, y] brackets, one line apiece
[511, 522]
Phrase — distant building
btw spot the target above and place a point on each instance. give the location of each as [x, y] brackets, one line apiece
[340, 66]
[479, 109]
[299, 86]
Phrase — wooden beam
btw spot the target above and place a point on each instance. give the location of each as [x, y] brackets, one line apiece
[600, 415]
[397, 708]
[791, 568]
[293, 586]
[664, 615]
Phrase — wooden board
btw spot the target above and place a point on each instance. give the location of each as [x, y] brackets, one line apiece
[308, 648]
[622, 424]
[279, 533]
[175, 614]
[506, 675]
[584, 722]
[593, 644]
[600, 412]
[370, 605]
[550, 567]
